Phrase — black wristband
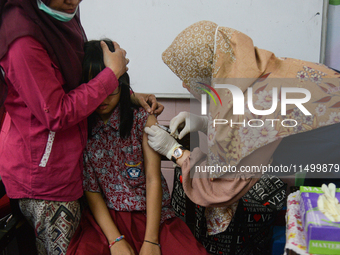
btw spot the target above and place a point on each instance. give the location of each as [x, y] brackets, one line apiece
[153, 243]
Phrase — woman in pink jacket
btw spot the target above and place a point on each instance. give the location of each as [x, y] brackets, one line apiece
[45, 131]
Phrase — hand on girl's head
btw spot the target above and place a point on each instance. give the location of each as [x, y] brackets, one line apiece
[116, 60]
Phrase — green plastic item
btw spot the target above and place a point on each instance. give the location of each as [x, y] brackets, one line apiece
[300, 177]
[334, 2]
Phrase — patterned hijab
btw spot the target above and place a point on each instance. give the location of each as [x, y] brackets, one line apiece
[206, 53]
[63, 40]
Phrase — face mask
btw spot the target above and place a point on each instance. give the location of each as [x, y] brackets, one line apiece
[61, 16]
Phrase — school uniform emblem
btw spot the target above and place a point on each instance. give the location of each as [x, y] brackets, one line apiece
[133, 172]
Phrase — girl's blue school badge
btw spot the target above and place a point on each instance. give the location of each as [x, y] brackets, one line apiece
[133, 170]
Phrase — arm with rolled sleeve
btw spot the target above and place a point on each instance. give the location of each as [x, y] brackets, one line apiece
[39, 83]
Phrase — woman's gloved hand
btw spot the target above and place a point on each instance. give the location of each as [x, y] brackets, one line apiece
[161, 141]
[191, 123]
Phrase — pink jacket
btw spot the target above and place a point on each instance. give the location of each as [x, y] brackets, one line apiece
[41, 144]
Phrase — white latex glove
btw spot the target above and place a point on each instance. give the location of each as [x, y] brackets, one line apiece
[328, 204]
[191, 123]
[161, 141]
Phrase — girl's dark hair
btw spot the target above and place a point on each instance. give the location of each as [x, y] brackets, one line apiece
[93, 64]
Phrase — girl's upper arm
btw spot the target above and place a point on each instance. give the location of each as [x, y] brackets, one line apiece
[152, 160]
[90, 195]
[152, 120]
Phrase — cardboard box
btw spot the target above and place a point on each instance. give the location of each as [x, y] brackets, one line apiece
[322, 235]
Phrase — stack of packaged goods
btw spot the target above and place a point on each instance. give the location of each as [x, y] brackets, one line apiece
[320, 214]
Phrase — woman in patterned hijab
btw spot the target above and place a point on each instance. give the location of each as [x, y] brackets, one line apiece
[204, 55]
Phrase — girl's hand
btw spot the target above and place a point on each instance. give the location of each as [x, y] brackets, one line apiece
[150, 249]
[116, 61]
[121, 248]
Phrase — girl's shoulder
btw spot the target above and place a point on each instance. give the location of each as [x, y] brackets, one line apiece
[140, 113]
[140, 117]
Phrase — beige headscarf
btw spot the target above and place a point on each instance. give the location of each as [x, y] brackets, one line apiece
[206, 53]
